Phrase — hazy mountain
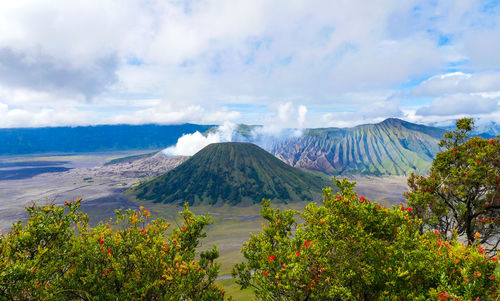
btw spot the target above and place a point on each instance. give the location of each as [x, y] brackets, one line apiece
[233, 173]
[487, 130]
[92, 138]
[483, 128]
[391, 147]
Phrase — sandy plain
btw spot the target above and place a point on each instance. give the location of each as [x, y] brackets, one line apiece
[60, 177]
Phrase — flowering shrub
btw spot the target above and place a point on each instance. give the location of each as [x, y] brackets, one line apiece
[351, 248]
[462, 192]
[56, 255]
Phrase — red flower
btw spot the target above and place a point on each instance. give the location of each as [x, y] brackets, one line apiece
[109, 251]
[271, 258]
[339, 198]
[409, 209]
[101, 241]
[297, 254]
[265, 273]
[307, 243]
[492, 277]
[494, 259]
[436, 232]
[143, 231]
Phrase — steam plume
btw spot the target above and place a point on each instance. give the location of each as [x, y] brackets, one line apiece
[287, 122]
[190, 144]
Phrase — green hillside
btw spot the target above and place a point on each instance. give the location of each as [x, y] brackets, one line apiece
[392, 147]
[232, 173]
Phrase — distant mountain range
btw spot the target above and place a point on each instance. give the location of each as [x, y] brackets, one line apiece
[483, 129]
[233, 173]
[392, 147]
[93, 138]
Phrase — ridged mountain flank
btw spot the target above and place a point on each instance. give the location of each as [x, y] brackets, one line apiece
[391, 147]
[232, 173]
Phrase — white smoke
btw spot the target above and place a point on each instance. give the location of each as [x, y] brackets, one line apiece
[287, 121]
[190, 144]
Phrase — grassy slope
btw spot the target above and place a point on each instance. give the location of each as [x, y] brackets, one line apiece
[234, 173]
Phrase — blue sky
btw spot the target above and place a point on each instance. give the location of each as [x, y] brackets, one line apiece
[287, 63]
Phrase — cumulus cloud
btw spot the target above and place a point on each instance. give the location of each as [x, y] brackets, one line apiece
[15, 118]
[373, 113]
[36, 116]
[169, 114]
[209, 55]
[482, 47]
[481, 120]
[459, 103]
[42, 73]
[459, 82]
[287, 117]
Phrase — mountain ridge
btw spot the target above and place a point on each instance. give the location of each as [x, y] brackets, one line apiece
[390, 147]
[93, 138]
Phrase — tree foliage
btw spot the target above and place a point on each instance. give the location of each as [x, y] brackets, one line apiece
[462, 192]
[353, 249]
[57, 256]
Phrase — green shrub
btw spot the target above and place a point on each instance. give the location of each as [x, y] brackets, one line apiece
[57, 256]
[352, 249]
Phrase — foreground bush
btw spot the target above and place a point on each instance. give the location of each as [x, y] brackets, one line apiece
[350, 248]
[56, 255]
[462, 191]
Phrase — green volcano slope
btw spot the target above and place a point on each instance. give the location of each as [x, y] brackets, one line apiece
[391, 147]
[232, 173]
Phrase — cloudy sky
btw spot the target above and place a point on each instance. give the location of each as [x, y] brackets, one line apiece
[296, 63]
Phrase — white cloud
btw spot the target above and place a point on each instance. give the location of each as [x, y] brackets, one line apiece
[302, 112]
[37, 116]
[169, 114]
[459, 82]
[207, 55]
[13, 117]
[482, 47]
[373, 113]
[449, 120]
[287, 116]
[459, 103]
